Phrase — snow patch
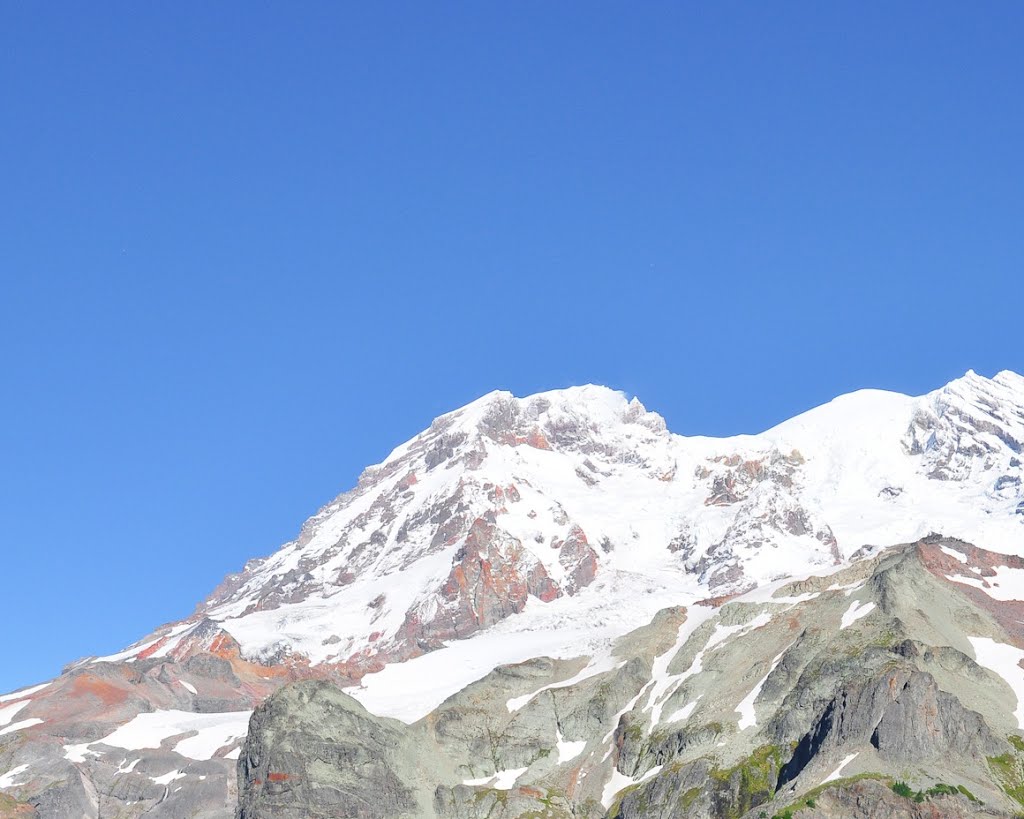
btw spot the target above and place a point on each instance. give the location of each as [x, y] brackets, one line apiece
[78, 753]
[629, 706]
[849, 588]
[1004, 660]
[8, 713]
[855, 612]
[121, 769]
[7, 780]
[665, 685]
[596, 666]
[837, 773]
[954, 553]
[213, 732]
[500, 780]
[25, 692]
[168, 778]
[684, 712]
[619, 781]
[568, 750]
[746, 707]
[1005, 584]
[20, 726]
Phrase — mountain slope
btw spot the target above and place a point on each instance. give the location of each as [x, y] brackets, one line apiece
[826, 690]
[512, 529]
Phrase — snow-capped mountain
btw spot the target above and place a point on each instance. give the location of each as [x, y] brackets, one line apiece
[551, 525]
[576, 500]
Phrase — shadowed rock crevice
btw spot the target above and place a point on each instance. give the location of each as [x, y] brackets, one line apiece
[807, 748]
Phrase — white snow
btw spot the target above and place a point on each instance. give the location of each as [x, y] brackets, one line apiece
[25, 692]
[7, 780]
[666, 685]
[168, 778]
[213, 732]
[1006, 584]
[629, 706]
[504, 780]
[684, 712]
[567, 628]
[188, 687]
[598, 665]
[211, 738]
[795, 599]
[968, 581]
[849, 588]
[8, 713]
[78, 753]
[746, 707]
[663, 682]
[130, 765]
[1004, 660]
[619, 780]
[129, 654]
[837, 773]
[855, 612]
[568, 750]
[20, 726]
[956, 553]
[501, 780]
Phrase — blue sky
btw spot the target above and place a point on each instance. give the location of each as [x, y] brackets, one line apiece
[246, 249]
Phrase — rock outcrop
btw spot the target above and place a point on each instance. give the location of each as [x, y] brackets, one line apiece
[313, 752]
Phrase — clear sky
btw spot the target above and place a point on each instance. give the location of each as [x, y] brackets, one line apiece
[246, 249]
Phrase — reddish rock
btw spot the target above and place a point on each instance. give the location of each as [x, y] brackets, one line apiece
[982, 566]
[540, 584]
[491, 578]
[580, 561]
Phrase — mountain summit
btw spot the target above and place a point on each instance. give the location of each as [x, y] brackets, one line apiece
[511, 529]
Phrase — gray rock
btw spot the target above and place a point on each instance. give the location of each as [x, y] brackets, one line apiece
[313, 751]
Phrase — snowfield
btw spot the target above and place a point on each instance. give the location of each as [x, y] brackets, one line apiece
[209, 733]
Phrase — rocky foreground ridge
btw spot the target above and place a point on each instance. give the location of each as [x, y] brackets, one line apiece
[553, 606]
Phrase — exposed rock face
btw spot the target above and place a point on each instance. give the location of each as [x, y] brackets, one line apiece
[870, 799]
[923, 723]
[903, 715]
[315, 752]
[492, 577]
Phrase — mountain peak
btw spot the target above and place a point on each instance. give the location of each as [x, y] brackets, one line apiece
[597, 403]
[1010, 379]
